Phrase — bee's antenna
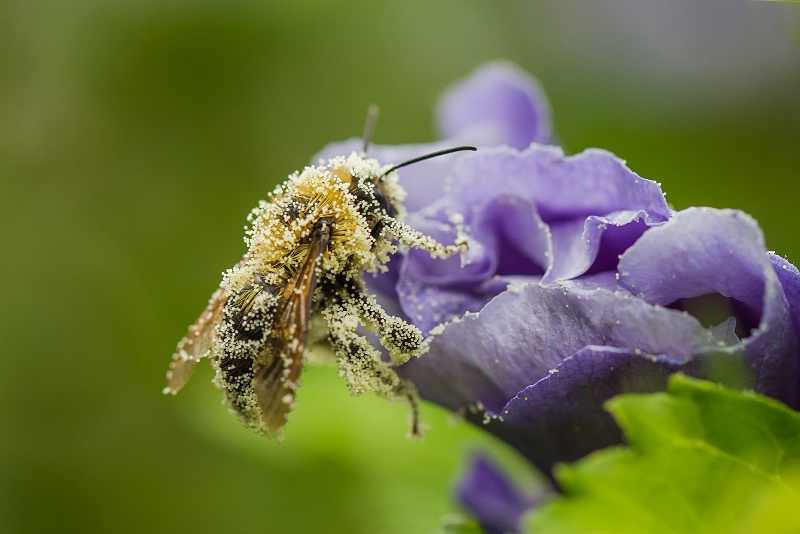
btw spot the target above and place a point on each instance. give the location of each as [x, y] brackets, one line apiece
[369, 127]
[428, 156]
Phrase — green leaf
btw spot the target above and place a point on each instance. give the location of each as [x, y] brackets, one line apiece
[702, 459]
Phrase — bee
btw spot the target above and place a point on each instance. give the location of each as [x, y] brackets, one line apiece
[308, 246]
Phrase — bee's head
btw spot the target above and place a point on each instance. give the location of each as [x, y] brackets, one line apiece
[376, 195]
[377, 198]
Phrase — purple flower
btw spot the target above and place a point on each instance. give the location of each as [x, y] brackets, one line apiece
[580, 283]
[493, 499]
[537, 362]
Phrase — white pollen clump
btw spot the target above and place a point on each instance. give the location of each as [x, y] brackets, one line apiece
[457, 219]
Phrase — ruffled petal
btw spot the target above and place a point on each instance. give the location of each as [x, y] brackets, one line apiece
[561, 417]
[700, 251]
[789, 277]
[593, 244]
[594, 205]
[708, 251]
[508, 242]
[594, 182]
[498, 104]
[482, 360]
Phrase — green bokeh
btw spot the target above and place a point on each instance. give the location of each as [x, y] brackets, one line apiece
[136, 135]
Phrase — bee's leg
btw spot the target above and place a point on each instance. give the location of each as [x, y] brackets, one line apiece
[360, 363]
[415, 239]
[401, 339]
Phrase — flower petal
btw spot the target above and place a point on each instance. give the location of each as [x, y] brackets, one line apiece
[700, 251]
[789, 277]
[491, 498]
[484, 359]
[498, 104]
[593, 244]
[561, 417]
[508, 242]
[594, 182]
[705, 250]
[595, 206]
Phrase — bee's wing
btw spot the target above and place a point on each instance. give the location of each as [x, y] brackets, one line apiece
[196, 343]
[276, 381]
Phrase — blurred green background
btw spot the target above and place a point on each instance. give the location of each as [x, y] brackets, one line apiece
[135, 136]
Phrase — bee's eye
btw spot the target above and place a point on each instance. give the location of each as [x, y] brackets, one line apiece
[362, 194]
[380, 196]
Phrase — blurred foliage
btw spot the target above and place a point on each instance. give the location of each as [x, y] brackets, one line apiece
[136, 136]
[702, 459]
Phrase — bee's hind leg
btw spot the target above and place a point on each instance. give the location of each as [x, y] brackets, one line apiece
[360, 363]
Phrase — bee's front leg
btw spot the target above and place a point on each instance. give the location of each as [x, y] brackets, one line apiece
[360, 363]
[413, 238]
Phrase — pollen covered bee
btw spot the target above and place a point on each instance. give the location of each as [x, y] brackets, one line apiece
[308, 246]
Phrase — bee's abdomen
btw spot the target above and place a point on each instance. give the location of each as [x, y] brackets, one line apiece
[236, 376]
[241, 337]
